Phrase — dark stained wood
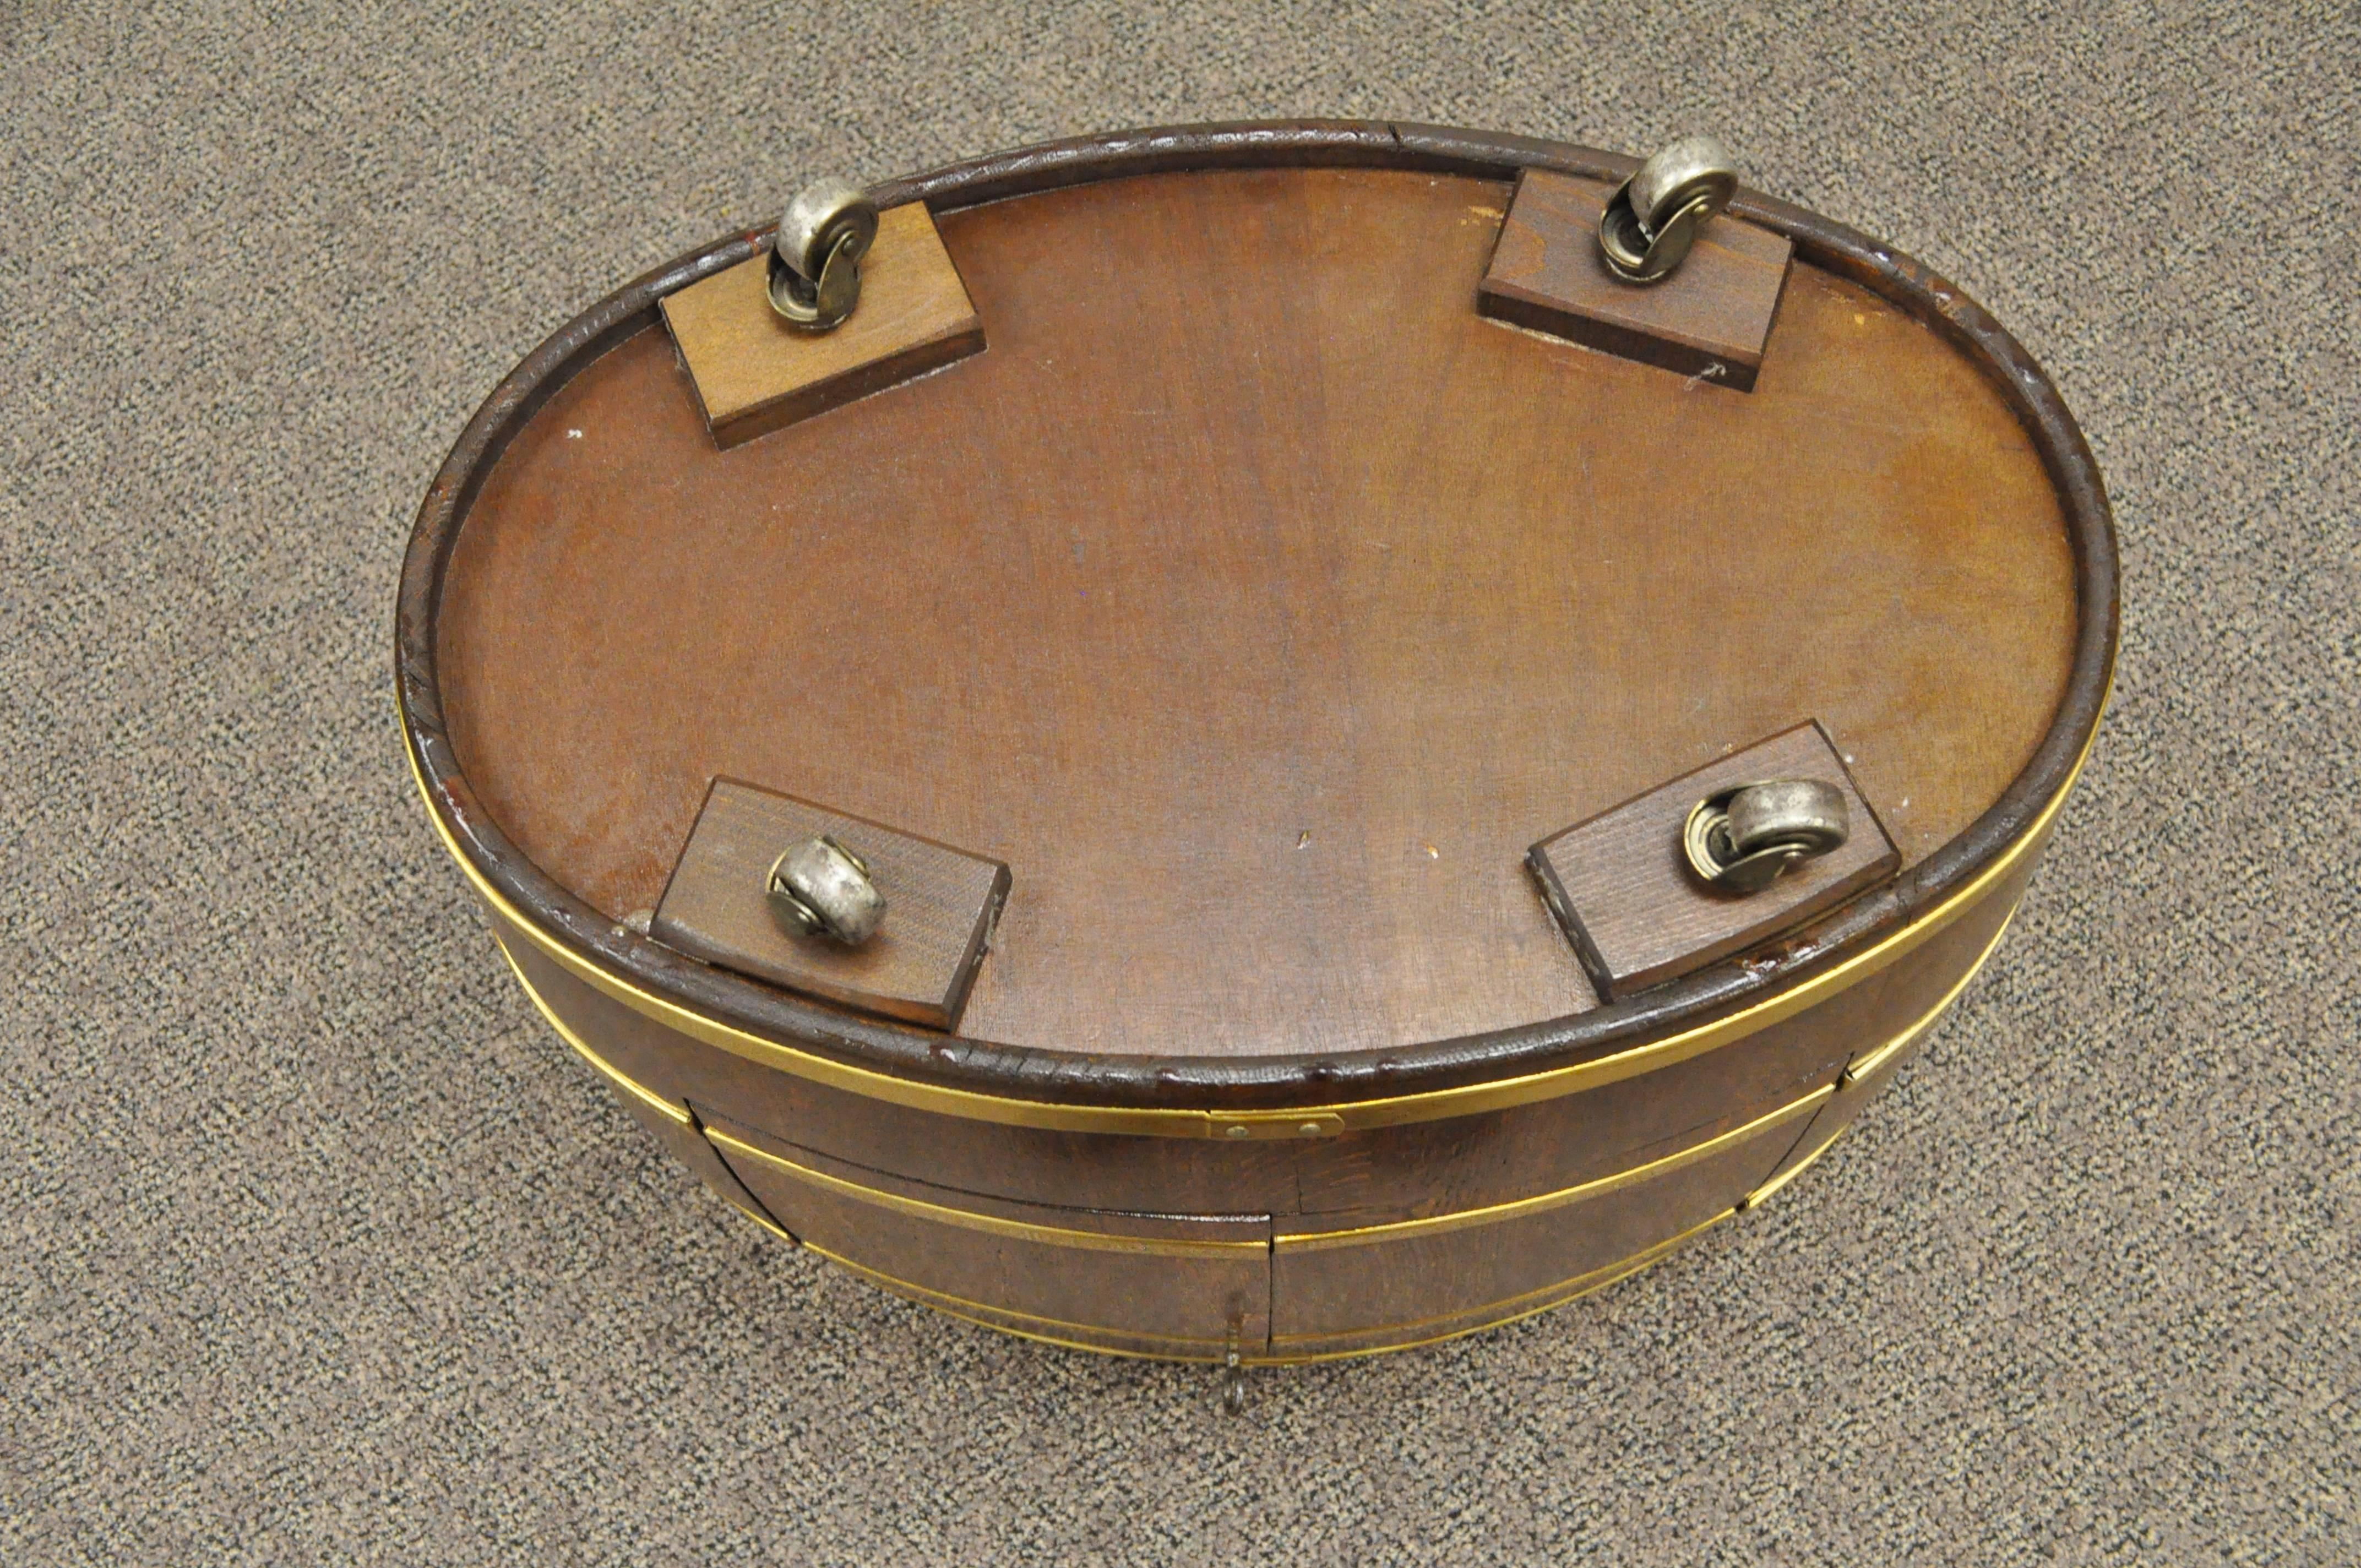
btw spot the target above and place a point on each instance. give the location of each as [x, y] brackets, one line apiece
[752, 373]
[1622, 886]
[1308, 585]
[1710, 319]
[941, 906]
[1157, 1284]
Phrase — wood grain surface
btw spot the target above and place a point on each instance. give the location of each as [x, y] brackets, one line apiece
[1258, 604]
[940, 904]
[1332, 1291]
[1710, 319]
[1152, 1284]
[1622, 886]
[1405, 1172]
[753, 372]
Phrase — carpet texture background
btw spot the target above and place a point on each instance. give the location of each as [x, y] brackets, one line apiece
[315, 1246]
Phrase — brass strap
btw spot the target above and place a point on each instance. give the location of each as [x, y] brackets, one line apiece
[1761, 1194]
[1523, 1208]
[1492, 1315]
[670, 1110]
[1869, 1061]
[1066, 1335]
[1041, 1330]
[992, 1224]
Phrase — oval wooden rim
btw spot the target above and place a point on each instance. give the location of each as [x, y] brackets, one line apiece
[969, 1076]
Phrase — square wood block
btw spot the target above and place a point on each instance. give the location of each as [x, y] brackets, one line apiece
[1620, 882]
[754, 373]
[941, 906]
[1711, 318]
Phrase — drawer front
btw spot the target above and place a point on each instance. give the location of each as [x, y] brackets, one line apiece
[1384, 1286]
[1867, 1077]
[1191, 1287]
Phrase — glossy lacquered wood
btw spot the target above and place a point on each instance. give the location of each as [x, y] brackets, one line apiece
[1258, 605]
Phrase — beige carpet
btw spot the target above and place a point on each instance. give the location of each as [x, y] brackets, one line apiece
[316, 1247]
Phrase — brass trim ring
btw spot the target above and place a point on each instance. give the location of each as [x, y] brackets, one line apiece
[1510, 1310]
[1543, 1203]
[1300, 1241]
[1515, 1309]
[991, 1224]
[621, 1081]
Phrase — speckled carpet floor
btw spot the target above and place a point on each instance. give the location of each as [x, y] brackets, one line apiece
[316, 1247]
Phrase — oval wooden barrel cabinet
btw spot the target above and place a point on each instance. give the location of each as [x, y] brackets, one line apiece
[1407, 775]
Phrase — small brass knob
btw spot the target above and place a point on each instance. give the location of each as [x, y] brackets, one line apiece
[1653, 217]
[823, 889]
[1743, 839]
[815, 260]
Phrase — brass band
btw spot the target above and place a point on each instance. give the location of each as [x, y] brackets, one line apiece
[1086, 1336]
[1395, 1230]
[668, 1109]
[1040, 1329]
[1092, 1337]
[993, 1224]
[1762, 1194]
[1517, 1209]
[1496, 1314]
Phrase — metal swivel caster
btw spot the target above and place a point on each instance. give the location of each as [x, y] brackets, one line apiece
[1743, 839]
[815, 260]
[1653, 217]
[823, 889]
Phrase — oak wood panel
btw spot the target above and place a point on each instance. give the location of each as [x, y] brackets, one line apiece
[1621, 884]
[1710, 319]
[1165, 1284]
[752, 373]
[1306, 585]
[940, 904]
